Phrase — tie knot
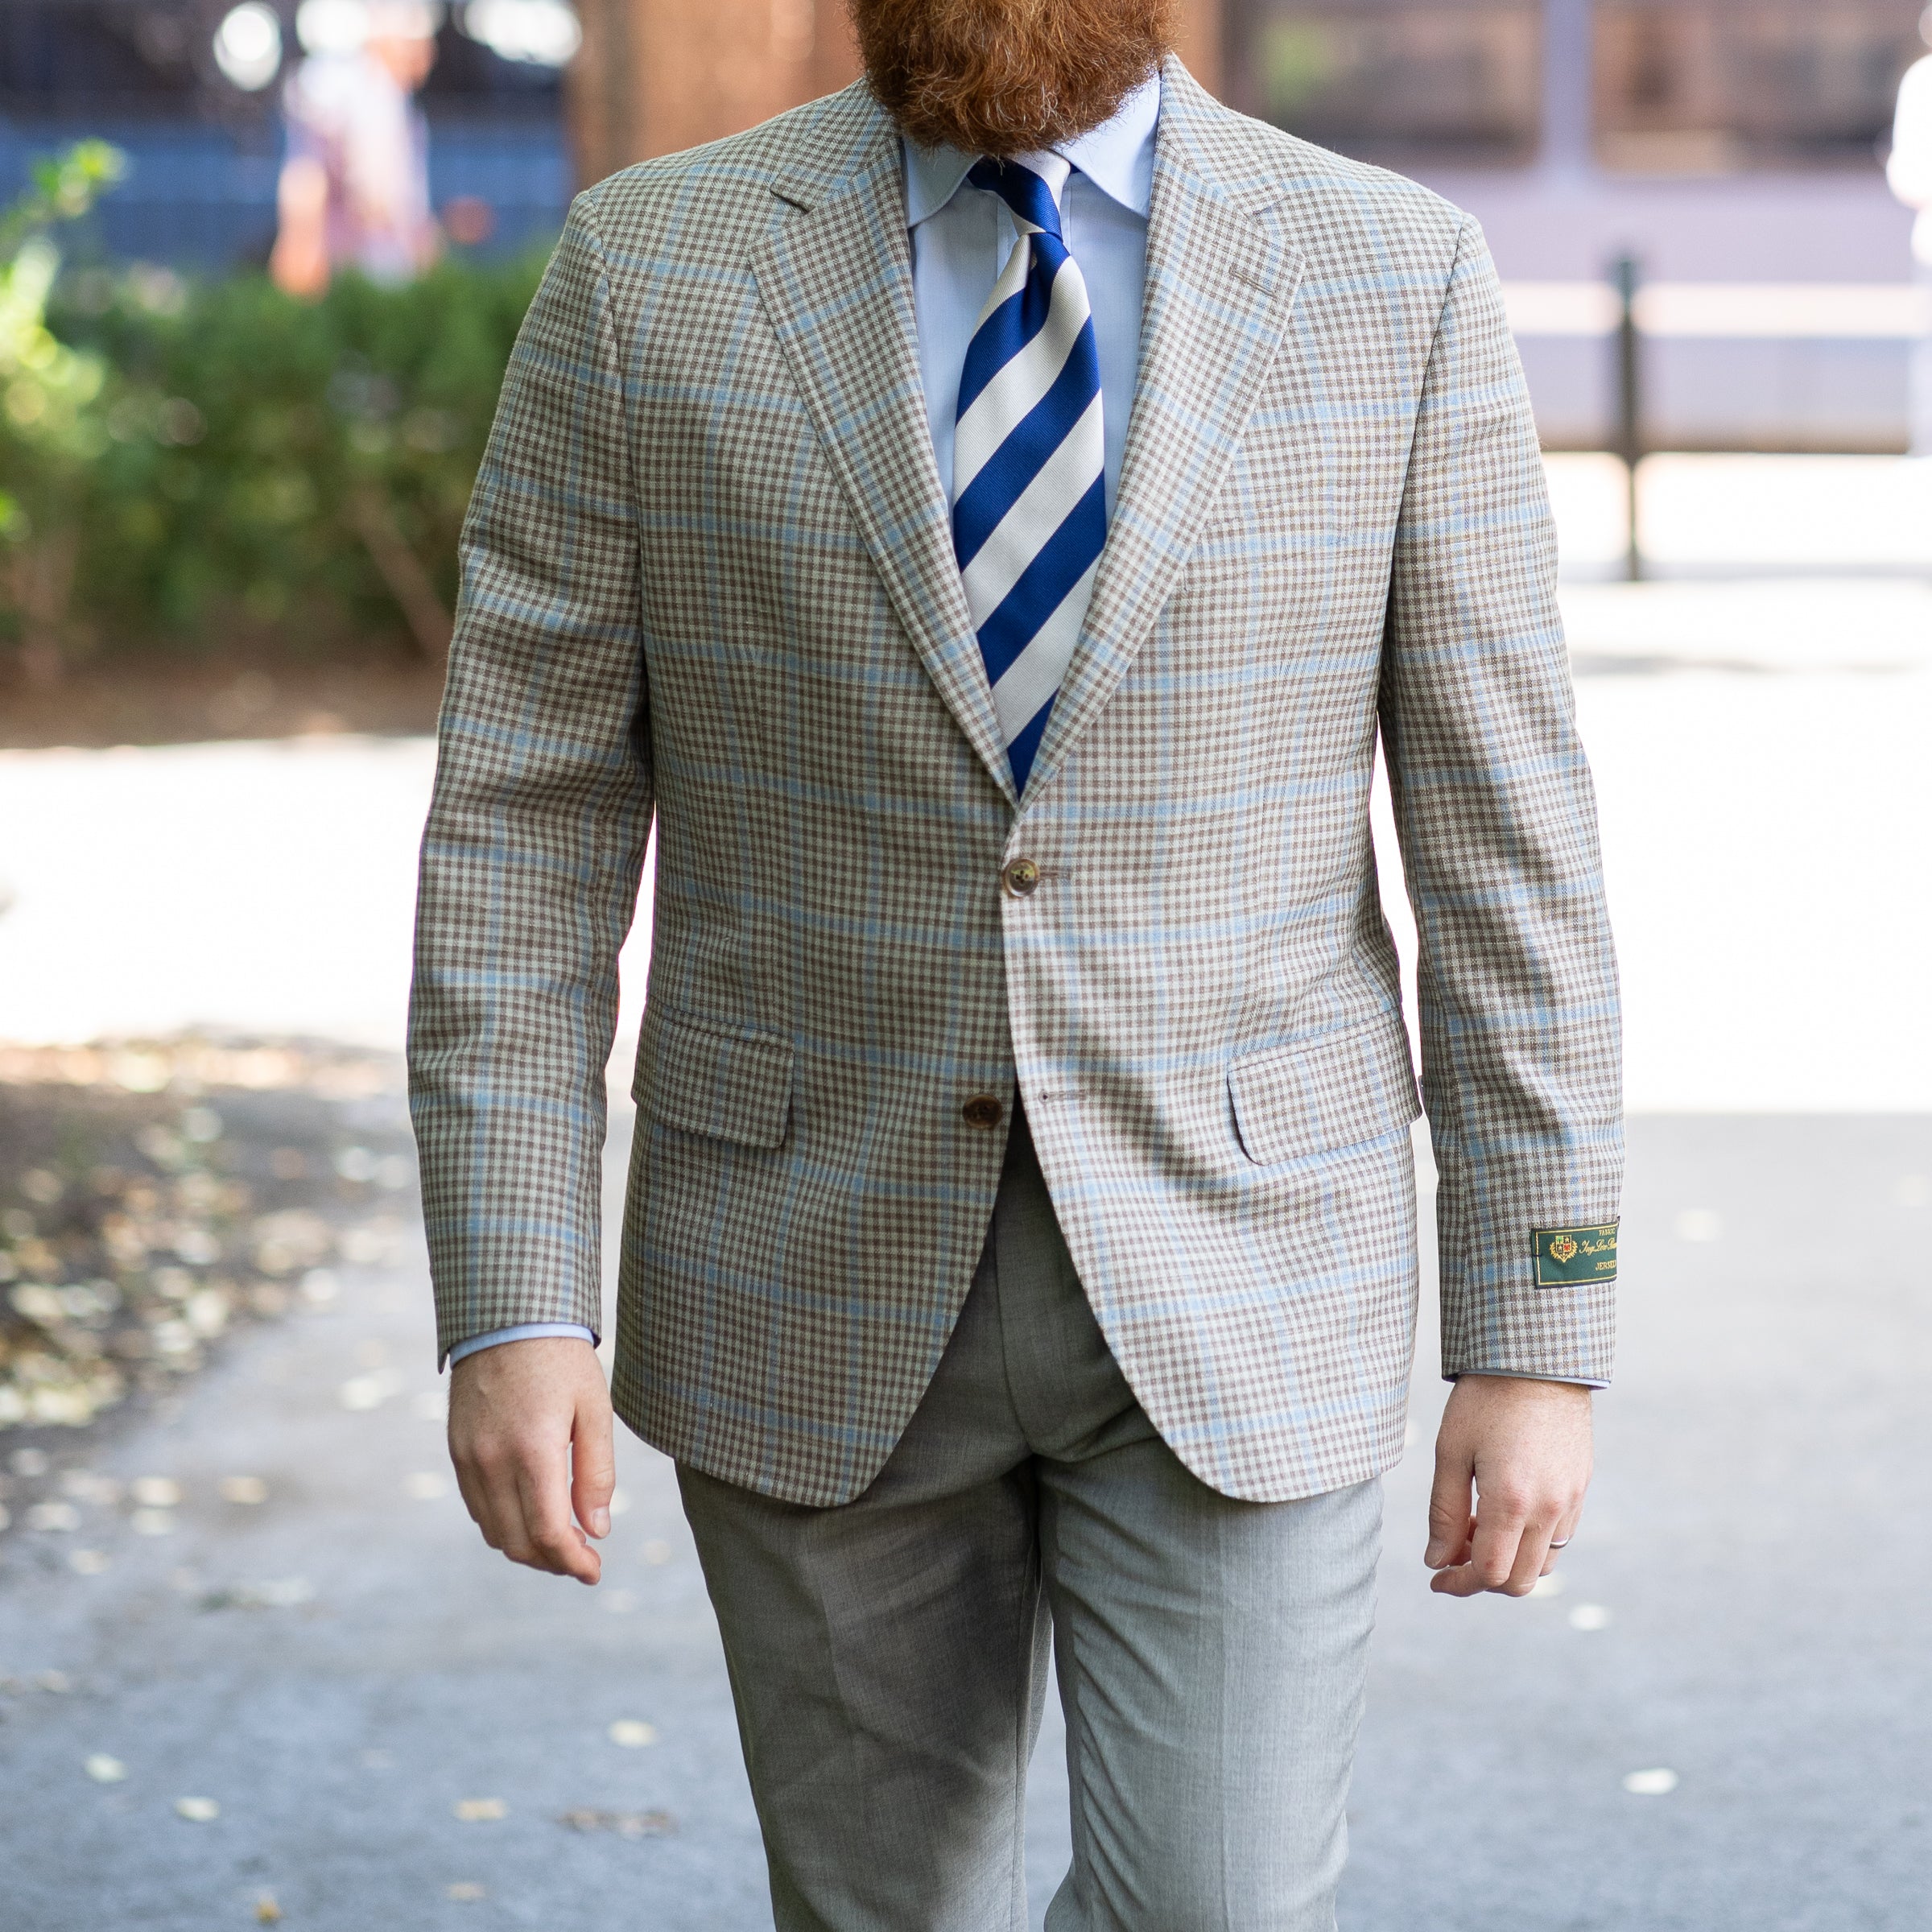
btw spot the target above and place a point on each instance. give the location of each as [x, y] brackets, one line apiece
[1029, 184]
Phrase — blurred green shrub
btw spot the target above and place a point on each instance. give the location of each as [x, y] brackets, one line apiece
[51, 430]
[219, 466]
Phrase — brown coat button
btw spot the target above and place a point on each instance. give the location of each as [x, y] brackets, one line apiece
[1020, 877]
[984, 1110]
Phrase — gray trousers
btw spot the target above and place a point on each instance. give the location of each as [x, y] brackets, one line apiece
[888, 1657]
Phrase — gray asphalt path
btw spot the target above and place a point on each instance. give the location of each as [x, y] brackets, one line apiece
[342, 1668]
[1758, 1537]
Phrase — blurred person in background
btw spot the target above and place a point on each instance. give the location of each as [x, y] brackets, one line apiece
[1909, 171]
[984, 518]
[354, 189]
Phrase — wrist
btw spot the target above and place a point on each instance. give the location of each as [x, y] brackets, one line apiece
[1499, 1380]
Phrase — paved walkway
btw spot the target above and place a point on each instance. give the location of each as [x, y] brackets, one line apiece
[346, 1672]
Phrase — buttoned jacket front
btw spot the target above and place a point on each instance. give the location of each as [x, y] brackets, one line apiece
[709, 579]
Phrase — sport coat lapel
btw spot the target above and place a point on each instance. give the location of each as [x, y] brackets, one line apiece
[836, 274]
[1220, 280]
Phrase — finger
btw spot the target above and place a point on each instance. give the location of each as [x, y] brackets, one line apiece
[1565, 1528]
[476, 1480]
[498, 1511]
[593, 1467]
[515, 1509]
[473, 1483]
[508, 1471]
[1450, 1524]
[1499, 1533]
[468, 1486]
[552, 1541]
[1441, 1555]
[1532, 1555]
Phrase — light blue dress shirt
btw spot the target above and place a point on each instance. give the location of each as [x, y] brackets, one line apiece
[961, 238]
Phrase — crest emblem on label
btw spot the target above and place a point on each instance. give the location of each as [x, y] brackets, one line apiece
[1563, 1248]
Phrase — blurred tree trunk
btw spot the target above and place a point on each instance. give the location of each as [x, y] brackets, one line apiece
[41, 589]
[655, 76]
[373, 517]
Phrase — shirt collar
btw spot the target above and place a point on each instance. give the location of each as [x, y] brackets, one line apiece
[1116, 157]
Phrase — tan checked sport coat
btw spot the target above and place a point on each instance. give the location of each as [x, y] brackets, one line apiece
[709, 578]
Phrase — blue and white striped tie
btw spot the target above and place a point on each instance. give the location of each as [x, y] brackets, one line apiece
[1028, 487]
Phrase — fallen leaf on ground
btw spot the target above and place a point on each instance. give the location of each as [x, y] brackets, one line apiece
[280, 1593]
[197, 1811]
[633, 1731]
[481, 1810]
[267, 1912]
[627, 1824]
[105, 1770]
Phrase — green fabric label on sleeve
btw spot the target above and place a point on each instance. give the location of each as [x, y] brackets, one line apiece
[1566, 1257]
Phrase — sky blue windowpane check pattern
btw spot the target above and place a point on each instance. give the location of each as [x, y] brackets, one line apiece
[1052, 455]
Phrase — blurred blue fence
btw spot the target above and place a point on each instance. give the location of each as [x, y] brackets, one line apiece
[199, 196]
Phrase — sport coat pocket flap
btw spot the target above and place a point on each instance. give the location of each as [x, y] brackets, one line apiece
[706, 1077]
[1336, 1092]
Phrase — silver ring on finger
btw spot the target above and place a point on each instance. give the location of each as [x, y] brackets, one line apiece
[1564, 1545]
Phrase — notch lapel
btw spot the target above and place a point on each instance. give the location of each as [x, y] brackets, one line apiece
[1219, 283]
[836, 275]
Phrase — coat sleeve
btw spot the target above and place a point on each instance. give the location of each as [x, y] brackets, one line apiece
[1497, 820]
[537, 828]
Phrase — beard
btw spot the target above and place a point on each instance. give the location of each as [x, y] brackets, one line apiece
[1007, 76]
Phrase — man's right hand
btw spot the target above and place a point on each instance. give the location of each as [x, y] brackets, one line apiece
[529, 1433]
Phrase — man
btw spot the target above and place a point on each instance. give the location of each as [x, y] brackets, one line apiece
[354, 190]
[984, 517]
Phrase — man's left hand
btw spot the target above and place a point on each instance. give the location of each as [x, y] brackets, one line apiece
[1524, 1448]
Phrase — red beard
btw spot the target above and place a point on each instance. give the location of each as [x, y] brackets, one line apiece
[1007, 76]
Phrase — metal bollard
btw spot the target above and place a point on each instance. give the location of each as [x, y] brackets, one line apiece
[1629, 431]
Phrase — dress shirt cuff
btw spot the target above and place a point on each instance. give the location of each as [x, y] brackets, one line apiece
[1519, 1375]
[524, 1331]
